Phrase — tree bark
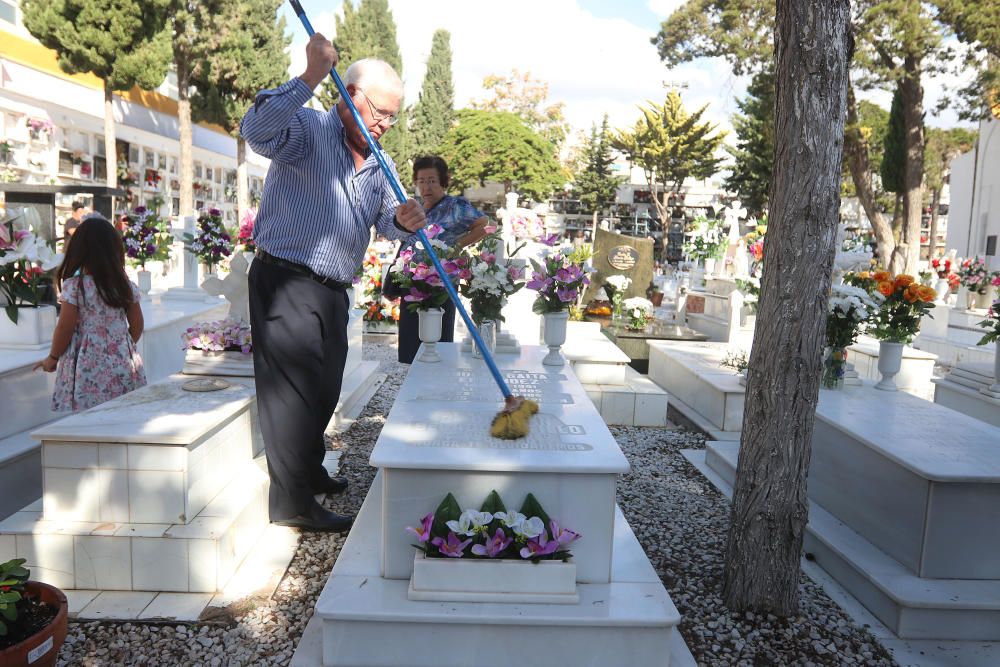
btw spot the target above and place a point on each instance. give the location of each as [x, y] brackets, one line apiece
[860, 167]
[912, 94]
[110, 150]
[770, 507]
[242, 181]
[932, 241]
[183, 66]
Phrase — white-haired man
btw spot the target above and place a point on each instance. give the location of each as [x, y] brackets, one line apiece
[322, 195]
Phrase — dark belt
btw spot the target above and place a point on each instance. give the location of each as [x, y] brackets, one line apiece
[302, 270]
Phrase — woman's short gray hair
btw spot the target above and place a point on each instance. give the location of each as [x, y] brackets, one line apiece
[372, 72]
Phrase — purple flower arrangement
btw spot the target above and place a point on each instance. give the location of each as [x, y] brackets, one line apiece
[414, 272]
[212, 243]
[558, 281]
[146, 236]
[492, 532]
[227, 335]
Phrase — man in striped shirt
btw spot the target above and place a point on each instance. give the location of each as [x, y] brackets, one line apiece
[323, 193]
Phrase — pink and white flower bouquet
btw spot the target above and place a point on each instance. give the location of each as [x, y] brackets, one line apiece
[974, 275]
[525, 225]
[492, 280]
[492, 532]
[227, 335]
[415, 274]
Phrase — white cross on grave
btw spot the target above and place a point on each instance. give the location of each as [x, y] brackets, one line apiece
[233, 287]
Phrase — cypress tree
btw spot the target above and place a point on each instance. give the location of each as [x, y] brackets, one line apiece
[243, 55]
[369, 31]
[754, 151]
[434, 111]
[121, 42]
[893, 165]
[595, 186]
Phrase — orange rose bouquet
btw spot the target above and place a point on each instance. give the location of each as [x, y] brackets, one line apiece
[906, 301]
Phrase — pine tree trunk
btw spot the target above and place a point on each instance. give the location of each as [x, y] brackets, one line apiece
[859, 166]
[932, 241]
[184, 122]
[897, 260]
[770, 506]
[110, 150]
[242, 182]
[912, 94]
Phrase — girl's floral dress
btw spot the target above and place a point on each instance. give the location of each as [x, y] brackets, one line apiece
[101, 362]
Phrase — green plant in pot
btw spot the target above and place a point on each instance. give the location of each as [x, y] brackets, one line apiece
[33, 618]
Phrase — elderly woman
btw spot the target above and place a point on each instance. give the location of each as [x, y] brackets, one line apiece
[461, 224]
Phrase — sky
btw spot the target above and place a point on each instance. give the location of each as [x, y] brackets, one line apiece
[595, 55]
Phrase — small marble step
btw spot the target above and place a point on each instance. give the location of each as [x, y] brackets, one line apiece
[639, 402]
[594, 357]
[911, 606]
[199, 556]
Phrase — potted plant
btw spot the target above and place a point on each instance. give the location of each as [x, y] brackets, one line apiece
[33, 618]
[212, 243]
[978, 282]
[487, 284]
[423, 289]
[558, 281]
[992, 326]
[40, 129]
[739, 361]
[221, 347]
[898, 320]
[147, 238]
[639, 312]
[25, 259]
[848, 308]
[519, 555]
[6, 151]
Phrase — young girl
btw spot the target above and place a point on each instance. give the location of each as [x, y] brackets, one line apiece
[93, 346]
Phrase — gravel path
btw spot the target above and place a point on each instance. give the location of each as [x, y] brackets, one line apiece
[678, 516]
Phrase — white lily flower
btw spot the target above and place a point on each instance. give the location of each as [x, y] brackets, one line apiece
[529, 528]
[470, 522]
[510, 519]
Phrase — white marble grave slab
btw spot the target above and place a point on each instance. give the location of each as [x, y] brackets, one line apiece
[428, 448]
[160, 413]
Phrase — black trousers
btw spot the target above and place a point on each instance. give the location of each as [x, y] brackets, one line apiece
[409, 330]
[299, 350]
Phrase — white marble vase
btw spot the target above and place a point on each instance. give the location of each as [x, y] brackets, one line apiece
[984, 299]
[555, 336]
[890, 360]
[33, 330]
[943, 289]
[145, 283]
[429, 330]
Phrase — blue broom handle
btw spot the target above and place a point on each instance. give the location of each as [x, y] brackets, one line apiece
[401, 196]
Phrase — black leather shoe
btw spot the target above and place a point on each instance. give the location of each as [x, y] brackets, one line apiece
[333, 485]
[319, 519]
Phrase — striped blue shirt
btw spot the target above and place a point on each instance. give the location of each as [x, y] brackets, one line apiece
[317, 209]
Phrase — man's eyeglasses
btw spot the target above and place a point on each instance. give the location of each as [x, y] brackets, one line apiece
[379, 115]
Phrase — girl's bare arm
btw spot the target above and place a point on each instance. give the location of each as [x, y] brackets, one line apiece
[135, 321]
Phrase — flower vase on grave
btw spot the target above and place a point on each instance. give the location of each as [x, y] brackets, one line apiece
[210, 271]
[145, 282]
[890, 360]
[834, 367]
[710, 266]
[943, 289]
[617, 299]
[983, 300]
[488, 333]
[77, 170]
[429, 331]
[555, 336]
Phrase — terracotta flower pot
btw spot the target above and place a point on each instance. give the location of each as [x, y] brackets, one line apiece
[41, 648]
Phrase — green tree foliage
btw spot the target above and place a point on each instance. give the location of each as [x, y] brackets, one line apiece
[244, 54]
[894, 149]
[670, 145]
[977, 24]
[519, 93]
[754, 151]
[434, 112]
[121, 42]
[369, 31]
[872, 126]
[740, 31]
[595, 185]
[498, 146]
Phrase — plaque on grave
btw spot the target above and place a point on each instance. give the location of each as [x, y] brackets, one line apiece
[623, 257]
[617, 254]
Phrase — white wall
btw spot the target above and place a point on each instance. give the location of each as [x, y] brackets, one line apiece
[974, 210]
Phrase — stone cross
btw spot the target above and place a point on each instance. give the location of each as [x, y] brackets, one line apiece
[233, 287]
